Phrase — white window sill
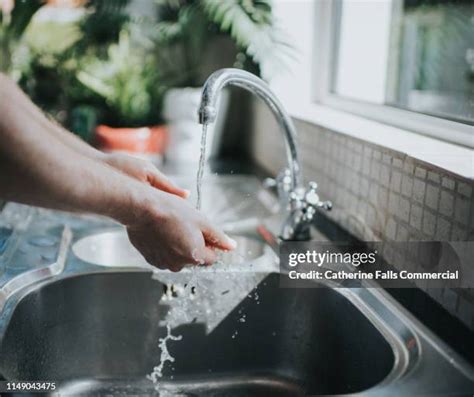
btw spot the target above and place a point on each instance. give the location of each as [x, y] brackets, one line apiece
[454, 158]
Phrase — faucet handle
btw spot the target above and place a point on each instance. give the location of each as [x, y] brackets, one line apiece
[302, 205]
[311, 198]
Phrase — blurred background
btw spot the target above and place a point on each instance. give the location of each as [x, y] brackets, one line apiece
[421, 52]
[126, 74]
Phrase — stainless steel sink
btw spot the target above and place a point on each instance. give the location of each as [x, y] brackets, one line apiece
[95, 326]
[98, 334]
[110, 248]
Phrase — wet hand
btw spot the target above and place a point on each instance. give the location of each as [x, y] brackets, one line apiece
[171, 234]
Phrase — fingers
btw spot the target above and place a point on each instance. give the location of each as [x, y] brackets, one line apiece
[175, 265]
[216, 239]
[175, 268]
[206, 256]
[144, 171]
[158, 180]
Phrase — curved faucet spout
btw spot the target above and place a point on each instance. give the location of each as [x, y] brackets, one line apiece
[236, 77]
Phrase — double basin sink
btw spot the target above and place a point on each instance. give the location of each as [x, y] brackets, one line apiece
[95, 329]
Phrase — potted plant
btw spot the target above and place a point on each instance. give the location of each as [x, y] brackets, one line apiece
[129, 82]
[185, 34]
[44, 54]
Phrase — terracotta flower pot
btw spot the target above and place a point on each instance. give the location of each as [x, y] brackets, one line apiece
[141, 140]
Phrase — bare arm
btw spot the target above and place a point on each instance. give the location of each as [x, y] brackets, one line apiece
[136, 168]
[39, 169]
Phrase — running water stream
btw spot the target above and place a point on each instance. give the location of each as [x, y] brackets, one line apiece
[177, 311]
[183, 309]
[202, 163]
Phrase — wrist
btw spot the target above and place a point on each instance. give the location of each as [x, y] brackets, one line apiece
[138, 205]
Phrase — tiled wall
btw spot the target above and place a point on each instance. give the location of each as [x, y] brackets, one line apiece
[379, 194]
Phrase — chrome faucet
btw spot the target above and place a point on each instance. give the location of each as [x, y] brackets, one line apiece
[301, 204]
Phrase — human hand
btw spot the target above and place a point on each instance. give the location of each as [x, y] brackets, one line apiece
[171, 234]
[144, 171]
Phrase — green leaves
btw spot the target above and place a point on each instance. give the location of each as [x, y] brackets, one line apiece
[12, 27]
[181, 36]
[104, 21]
[126, 80]
[251, 25]
[21, 16]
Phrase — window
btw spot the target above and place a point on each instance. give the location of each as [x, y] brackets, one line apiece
[433, 59]
[409, 63]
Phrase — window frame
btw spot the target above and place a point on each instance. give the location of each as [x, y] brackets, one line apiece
[326, 25]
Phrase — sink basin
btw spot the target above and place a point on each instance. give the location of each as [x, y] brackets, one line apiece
[113, 249]
[98, 334]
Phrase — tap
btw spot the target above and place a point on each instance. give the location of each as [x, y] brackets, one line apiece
[300, 204]
[236, 77]
[302, 209]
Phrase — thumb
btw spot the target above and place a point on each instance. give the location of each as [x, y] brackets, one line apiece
[203, 256]
[214, 238]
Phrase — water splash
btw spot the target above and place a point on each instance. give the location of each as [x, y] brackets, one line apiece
[184, 310]
[165, 357]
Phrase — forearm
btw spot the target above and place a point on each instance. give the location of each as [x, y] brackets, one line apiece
[74, 142]
[78, 188]
[50, 125]
[36, 168]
